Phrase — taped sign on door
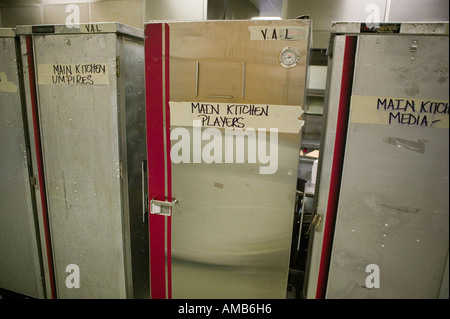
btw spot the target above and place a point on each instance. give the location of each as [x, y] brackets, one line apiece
[286, 118]
[73, 73]
[5, 85]
[399, 111]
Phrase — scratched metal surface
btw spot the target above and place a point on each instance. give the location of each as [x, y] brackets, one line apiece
[394, 206]
[20, 262]
[82, 146]
[231, 228]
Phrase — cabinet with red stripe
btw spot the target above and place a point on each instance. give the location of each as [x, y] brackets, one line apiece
[84, 89]
[223, 106]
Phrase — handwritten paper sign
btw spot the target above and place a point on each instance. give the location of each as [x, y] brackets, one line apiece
[5, 85]
[236, 115]
[399, 111]
[73, 74]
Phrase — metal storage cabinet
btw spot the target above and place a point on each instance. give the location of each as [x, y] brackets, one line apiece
[23, 266]
[384, 165]
[84, 89]
[222, 229]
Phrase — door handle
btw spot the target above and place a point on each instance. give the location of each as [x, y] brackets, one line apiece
[144, 194]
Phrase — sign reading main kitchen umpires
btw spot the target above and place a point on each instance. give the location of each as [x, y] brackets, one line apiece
[400, 111]
[73, 74]
[237, 115]
[287, 33]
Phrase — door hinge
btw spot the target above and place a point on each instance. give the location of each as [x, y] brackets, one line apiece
[33, 180]
[118, 66]
[19, 68]
[316, 222]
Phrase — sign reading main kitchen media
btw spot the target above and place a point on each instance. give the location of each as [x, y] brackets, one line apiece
[400, 111]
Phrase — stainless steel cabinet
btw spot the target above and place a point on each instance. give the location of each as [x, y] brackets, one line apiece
[23, 254]
[383, 191]
[84, 88]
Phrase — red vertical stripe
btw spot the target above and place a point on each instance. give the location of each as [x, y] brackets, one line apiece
[40, 167]
[338, 158]
[157, 101]
[169, 166]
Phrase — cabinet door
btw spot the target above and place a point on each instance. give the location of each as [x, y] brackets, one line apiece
[78, 113]
[393, 207]
[20, 257]
[229, 233]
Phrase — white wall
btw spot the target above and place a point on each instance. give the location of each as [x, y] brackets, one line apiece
[175, 10]
[137, 12]
[418, 10]
[131, 12]
[323, 12]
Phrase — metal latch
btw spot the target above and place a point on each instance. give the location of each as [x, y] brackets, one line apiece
[159, 207]
[414, 46]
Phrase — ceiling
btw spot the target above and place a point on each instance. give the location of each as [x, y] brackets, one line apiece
[268, 8]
